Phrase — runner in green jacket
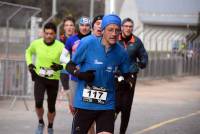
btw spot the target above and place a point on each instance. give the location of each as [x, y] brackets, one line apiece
[45, 73]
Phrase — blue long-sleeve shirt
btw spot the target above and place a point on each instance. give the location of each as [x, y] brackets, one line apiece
[91, 55]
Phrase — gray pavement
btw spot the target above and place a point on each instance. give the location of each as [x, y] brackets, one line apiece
[169, 106]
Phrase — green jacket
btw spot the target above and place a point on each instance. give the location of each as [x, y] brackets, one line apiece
[44, 56]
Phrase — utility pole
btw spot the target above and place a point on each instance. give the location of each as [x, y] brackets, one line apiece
[198, 25]
[91, 9]
[54, 12]
[54, 7]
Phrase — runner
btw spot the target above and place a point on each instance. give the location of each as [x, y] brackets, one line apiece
[138, 59]
[69, 30]
[70, 47]
[45, 73]
[98, 60]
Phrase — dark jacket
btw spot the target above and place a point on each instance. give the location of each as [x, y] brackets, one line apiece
[138, 56]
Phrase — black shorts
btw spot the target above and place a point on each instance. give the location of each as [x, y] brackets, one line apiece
[50, 86]
[64, 80]
[83, 120]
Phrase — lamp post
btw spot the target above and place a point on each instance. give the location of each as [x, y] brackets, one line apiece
[112, 6]
[91, 9]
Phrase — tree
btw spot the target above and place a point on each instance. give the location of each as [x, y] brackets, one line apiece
[75, 8]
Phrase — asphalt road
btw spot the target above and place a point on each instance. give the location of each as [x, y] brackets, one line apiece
[170, 106]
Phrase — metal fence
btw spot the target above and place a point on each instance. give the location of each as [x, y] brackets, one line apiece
[171, 53]
[15, 36]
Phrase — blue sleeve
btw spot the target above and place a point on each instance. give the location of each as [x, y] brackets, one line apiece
[142, 54]
[80, 54]
[68, 44]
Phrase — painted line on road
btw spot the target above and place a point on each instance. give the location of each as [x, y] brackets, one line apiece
[167, 122]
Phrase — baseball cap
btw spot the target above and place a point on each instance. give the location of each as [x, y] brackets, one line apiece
[84, 20]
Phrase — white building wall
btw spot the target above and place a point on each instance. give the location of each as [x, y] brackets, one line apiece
[124, 8]
[155, 38]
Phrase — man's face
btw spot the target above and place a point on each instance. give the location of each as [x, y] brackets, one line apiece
[69, 28]
[127, 28]
[84, 28]
[49, 35]
[97, 28]
[110, 34]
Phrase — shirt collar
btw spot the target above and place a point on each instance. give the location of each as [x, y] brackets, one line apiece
[132, 40]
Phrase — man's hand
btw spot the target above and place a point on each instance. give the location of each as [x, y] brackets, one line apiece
[88, 76]
[141, 65]
[130, 78]
[56, 66]
[71, 67]
[72, 109]
[32, 68]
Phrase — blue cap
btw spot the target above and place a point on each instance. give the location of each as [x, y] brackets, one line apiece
[110, 19]
[84, 20]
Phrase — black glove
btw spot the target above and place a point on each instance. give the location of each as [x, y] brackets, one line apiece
[71, 67]
[88, 76]
[31, 68]
[122, 82]
[56, 66]
[141, 65]
[129, 76]
[122, 85]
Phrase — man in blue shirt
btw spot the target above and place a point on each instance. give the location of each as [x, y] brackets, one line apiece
[98, 58]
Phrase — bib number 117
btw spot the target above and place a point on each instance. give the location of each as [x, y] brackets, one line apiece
[94, 94]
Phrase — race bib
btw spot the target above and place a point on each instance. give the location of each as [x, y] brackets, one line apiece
[94, 94]
[45, 72]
